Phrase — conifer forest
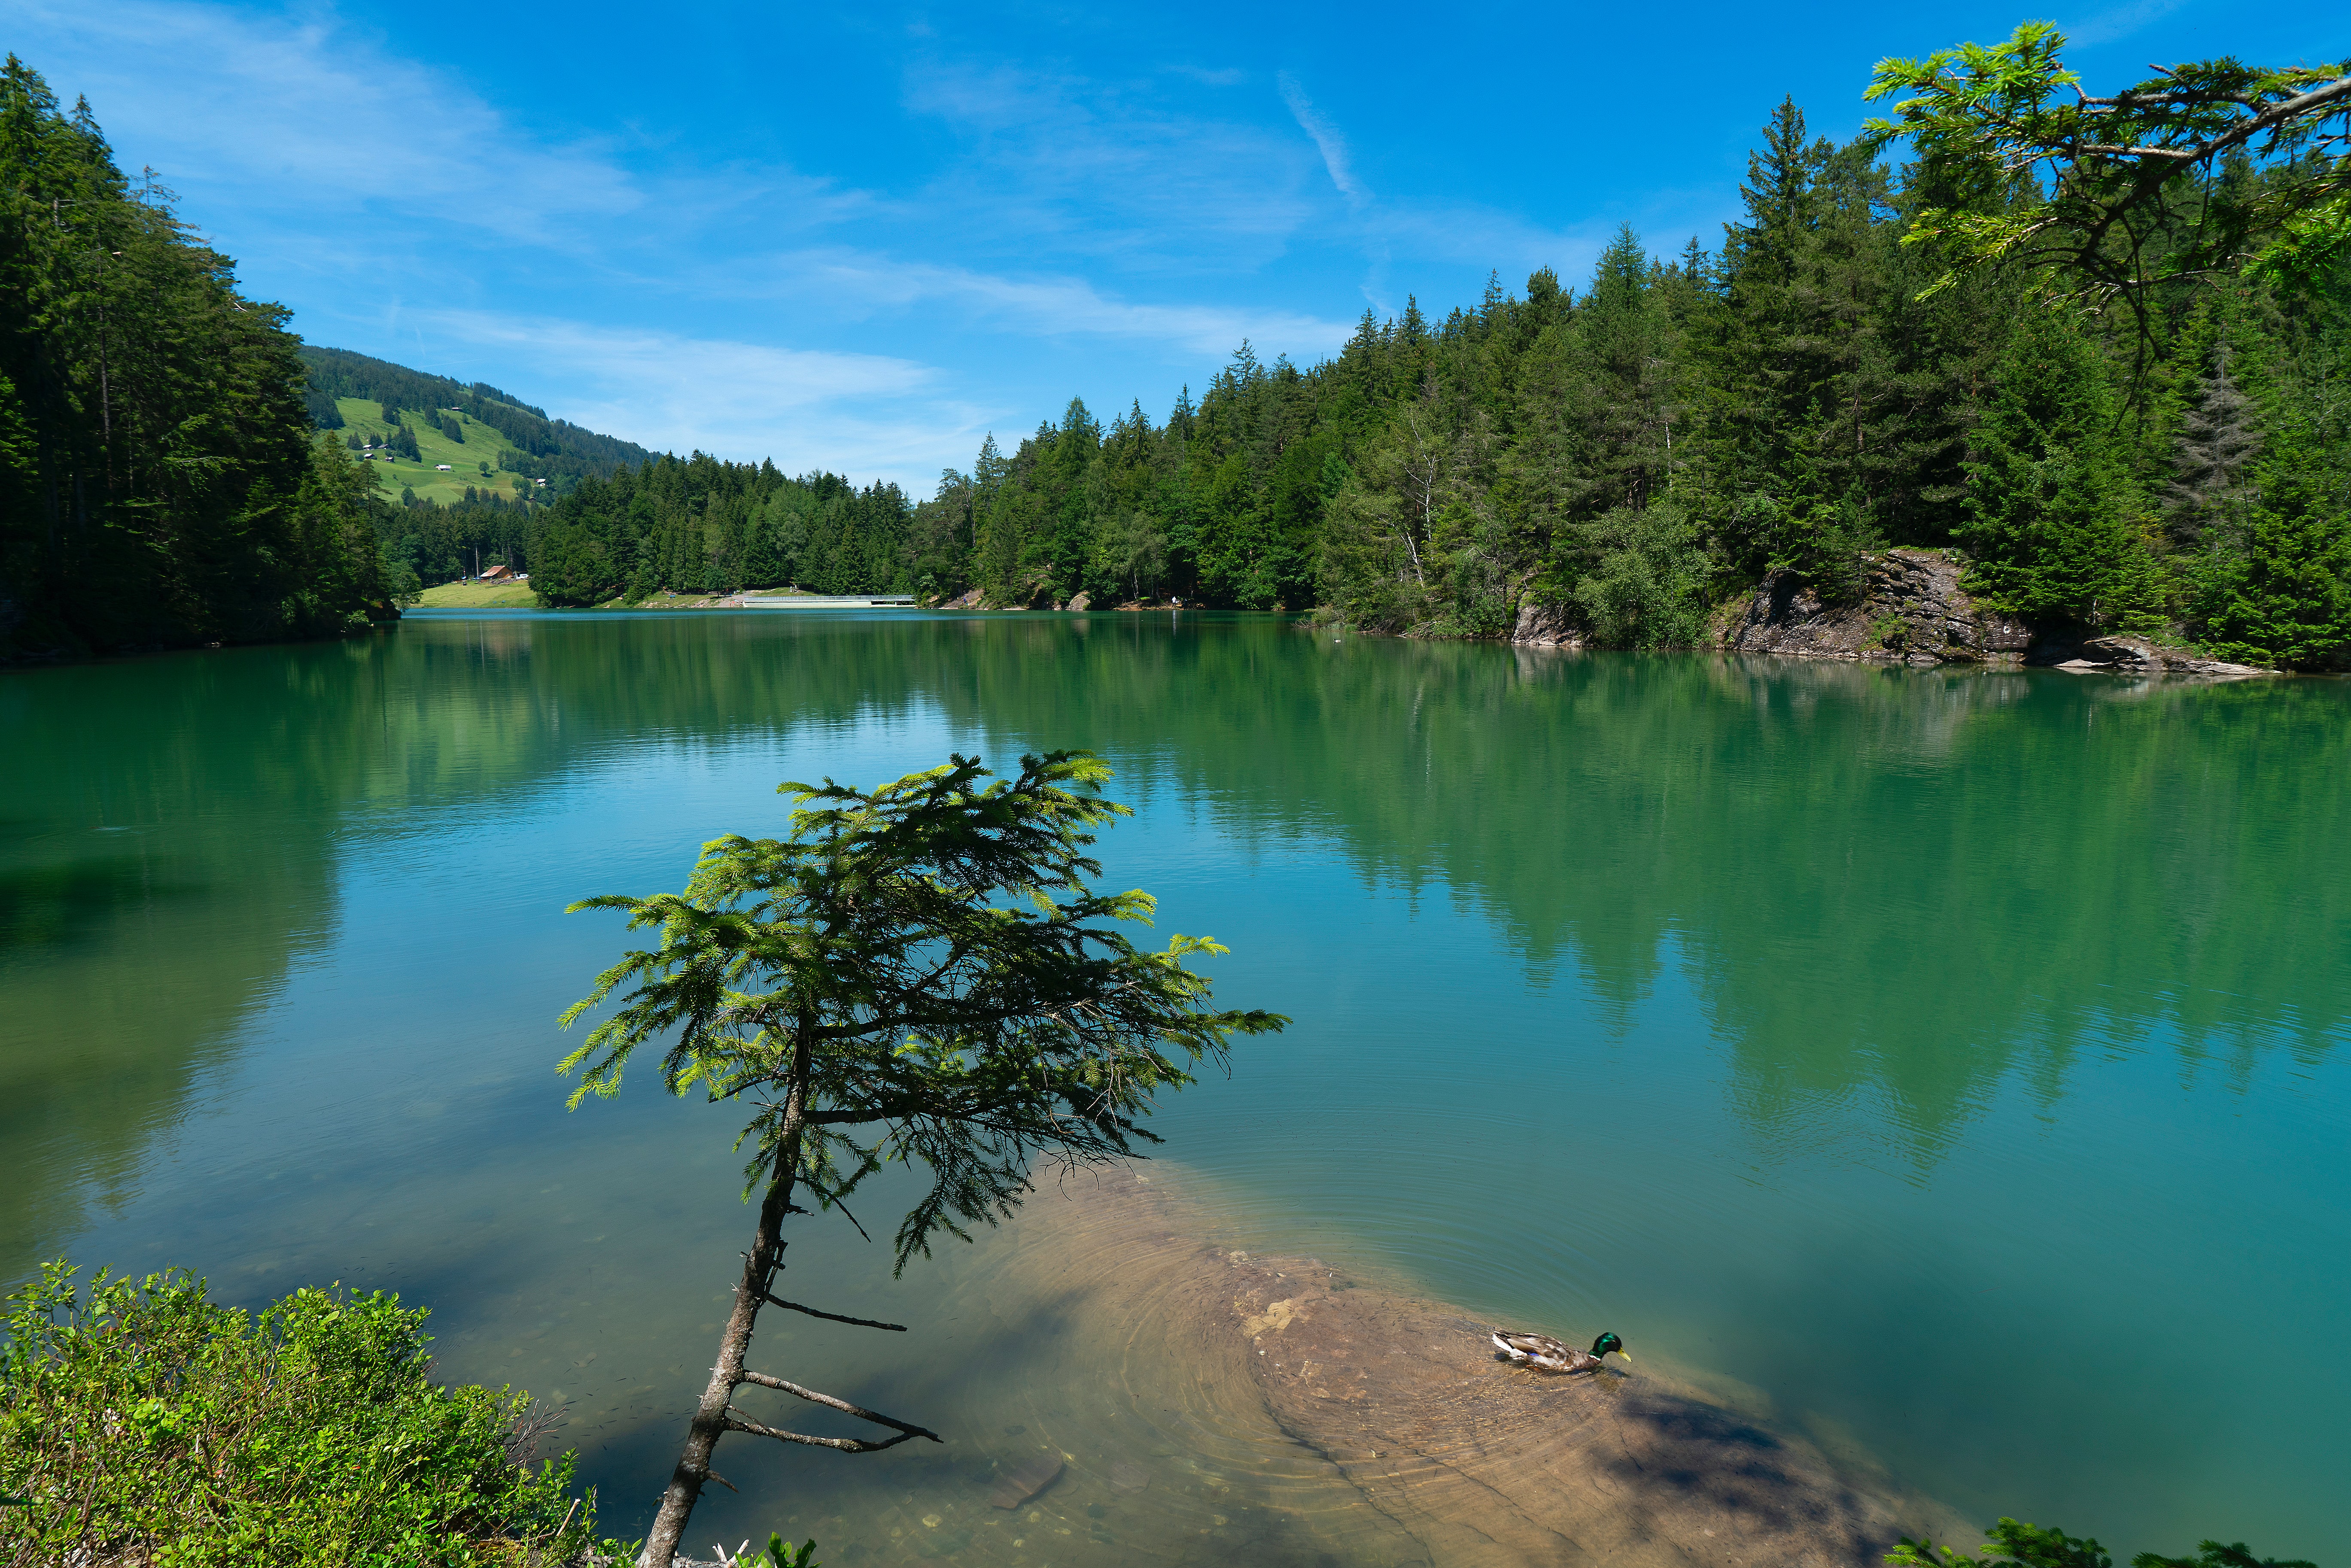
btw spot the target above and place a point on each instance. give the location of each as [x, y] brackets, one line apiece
[160, 481]
[1632, 449]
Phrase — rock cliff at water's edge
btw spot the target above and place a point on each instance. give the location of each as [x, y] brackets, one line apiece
[1912, 609]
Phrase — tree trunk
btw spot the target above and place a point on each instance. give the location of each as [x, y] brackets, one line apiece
[759, 1270]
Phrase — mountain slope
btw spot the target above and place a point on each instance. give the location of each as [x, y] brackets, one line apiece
[460, 424]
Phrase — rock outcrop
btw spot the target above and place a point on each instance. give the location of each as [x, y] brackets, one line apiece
[1545, 626]
[2135, 656]
[1912, 610]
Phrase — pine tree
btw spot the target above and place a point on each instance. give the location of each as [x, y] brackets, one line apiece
[2287, 601]
[918, 975]
[2051, 507]
[2217, 442]
[160, 478]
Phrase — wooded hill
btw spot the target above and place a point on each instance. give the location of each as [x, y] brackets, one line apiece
[503, 459]
[544, 448]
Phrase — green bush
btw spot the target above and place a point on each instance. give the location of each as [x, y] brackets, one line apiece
[143, 1422]
[2014, 1545]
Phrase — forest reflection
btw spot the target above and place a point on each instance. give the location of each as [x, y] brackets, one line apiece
[1888, 886]
[1905, 882]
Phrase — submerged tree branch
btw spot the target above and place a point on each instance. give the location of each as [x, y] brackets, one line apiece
[813, 1397]
[832, 1317]
[846, 1445]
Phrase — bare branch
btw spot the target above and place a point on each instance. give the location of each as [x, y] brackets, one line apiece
[834, 1317]
[827, 1400]
[846, 1445]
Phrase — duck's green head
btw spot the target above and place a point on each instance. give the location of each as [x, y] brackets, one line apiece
[1607, 1343]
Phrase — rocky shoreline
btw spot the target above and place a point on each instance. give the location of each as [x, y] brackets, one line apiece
[1912, 610]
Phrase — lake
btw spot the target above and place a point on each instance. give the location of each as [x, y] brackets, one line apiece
[1949, 1066]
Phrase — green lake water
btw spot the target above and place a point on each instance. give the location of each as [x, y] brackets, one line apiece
[1954, 1065]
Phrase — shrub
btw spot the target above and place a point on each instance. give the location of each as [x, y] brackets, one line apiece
[2014, 1545]
[144, 1422]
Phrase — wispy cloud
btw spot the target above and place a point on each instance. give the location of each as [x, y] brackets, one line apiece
[1327, 141]
[848, 281]
[805, 409]
[1231, 76]
[302, 113]
[309, 116]
[1106, 169]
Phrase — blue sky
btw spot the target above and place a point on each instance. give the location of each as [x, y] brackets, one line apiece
[862, 237]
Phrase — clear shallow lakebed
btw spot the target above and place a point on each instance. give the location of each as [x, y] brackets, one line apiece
[1950, 1067]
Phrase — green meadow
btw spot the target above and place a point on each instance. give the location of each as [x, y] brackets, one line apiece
[482, 445]
[479, 596]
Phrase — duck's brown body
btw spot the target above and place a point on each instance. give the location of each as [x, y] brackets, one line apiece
[1543, 1353]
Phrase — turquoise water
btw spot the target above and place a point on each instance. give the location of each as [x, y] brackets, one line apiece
[1952, 1061]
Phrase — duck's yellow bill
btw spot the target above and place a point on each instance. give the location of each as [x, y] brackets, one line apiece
[1625, 1353]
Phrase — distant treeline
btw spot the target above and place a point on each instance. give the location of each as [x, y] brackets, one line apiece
[160, 483]
[553, 449]
[701, 526]
[1630, 456]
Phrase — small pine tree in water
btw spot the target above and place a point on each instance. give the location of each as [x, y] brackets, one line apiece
[918, 974]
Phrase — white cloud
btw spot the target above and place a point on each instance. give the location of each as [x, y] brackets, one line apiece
[304, 114]
[855, 282]
[1327, 141]
[1106, 169]
[862, 414]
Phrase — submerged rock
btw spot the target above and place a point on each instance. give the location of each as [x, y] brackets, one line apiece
[1912, 610]
[1305, 1416]
[1481, 1461]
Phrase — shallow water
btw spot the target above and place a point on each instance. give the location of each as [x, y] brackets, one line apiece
[1944, 1067]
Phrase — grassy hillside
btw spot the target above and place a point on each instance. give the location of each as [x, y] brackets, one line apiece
[542, 447]
[482, 445]
[478, 596]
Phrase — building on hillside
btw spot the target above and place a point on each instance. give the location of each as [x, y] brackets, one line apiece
[445, 467]
[497, 574]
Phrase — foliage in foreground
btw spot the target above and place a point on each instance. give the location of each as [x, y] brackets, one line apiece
[2014, 1545]
[143, 1422]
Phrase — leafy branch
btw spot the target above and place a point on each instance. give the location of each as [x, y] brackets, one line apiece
[2205, 167]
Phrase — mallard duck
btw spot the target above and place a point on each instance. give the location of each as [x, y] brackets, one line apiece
[1547, 1354]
